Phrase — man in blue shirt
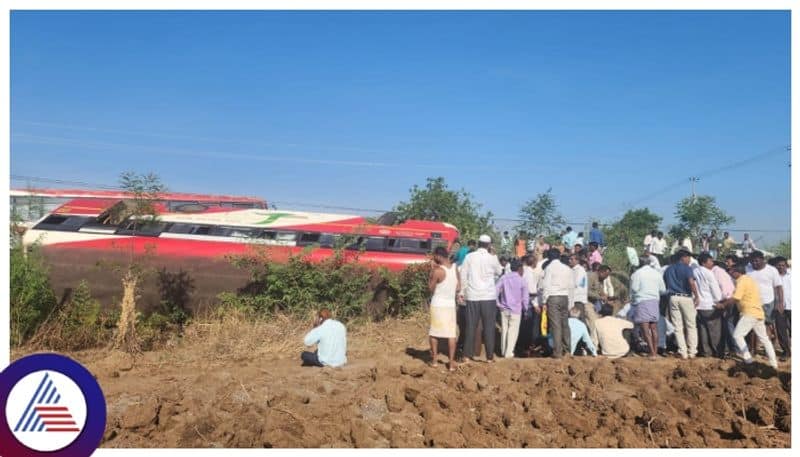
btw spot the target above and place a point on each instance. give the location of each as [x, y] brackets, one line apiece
[578, 333]
[330, 336]
[683, 301]
[595, 235]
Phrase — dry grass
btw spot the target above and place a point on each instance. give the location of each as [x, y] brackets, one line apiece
[235, 334]
[127, 339]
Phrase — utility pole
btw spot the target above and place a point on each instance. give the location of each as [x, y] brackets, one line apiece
[693, 179]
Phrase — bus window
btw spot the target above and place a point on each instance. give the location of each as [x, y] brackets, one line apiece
[142, 228]
[374, 243]
[239, 232]
[307, 239]
[285, 236]
[62, 223]
[414, 245]
[327, 240]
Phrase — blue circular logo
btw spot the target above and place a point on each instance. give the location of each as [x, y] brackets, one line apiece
[52, 406]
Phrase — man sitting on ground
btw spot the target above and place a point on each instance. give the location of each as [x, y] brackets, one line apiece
[330, 336]
[579, 333]
[614, 334]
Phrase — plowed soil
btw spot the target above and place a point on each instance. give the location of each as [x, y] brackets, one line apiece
[239, 388]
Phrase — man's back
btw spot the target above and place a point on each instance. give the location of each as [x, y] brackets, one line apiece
[577, 332]
[558, 279]
[597, 236]
[609, 333]
[646, 284]
[767, 279]
[677, 277]
[478, 274]
[331, 340]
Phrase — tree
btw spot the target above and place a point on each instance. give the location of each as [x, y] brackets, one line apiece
[142, 212]
[540, 215]
[630, 230]
[783, 249]
[436, 202]
[697, 214]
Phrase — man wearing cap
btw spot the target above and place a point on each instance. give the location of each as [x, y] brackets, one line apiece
[478, 275]
[683, 302]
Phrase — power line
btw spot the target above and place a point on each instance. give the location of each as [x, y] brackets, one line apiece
[707, 173]
[334, 207]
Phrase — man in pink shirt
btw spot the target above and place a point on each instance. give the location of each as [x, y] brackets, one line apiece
[594, 254]
[724, 280]
[731, 316]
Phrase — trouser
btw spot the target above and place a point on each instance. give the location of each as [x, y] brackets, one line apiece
[683, 315]
[747, 323]
[730, 319]
[461, 321]
[536, 330]
[629, 335]
[509, 332]
[709, 332]
[525, 337]
[558, 324]
[485, 312]
[310, 359]
[783, 327]
[589, 316]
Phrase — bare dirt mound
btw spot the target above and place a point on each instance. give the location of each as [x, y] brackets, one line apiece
[222, 390]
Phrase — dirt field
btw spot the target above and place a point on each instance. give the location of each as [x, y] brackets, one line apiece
[229, 384]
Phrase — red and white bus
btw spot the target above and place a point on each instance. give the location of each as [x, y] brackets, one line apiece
[199, 238]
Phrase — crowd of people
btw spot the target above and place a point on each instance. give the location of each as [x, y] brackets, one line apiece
[563, 300]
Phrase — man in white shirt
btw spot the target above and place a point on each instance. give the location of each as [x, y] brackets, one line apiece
[748, 247]
[652, 260]
[783, 320]
[709, 315]
[770, 289]
[657, 247]
[478, 273]
[580, 296]
[647, 287]
[558, 285]
[648, 240]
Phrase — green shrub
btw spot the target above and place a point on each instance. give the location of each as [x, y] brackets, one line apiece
[32, 299]
[175, 290]
[78, 324]
[350, 289]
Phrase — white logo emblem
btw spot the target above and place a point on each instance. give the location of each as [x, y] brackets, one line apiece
[46, 411]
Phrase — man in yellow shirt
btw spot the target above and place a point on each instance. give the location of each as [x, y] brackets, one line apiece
[748, 299]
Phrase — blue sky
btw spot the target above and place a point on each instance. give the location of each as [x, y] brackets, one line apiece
[353, 108]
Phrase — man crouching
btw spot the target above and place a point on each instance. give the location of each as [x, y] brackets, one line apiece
[330, 336]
